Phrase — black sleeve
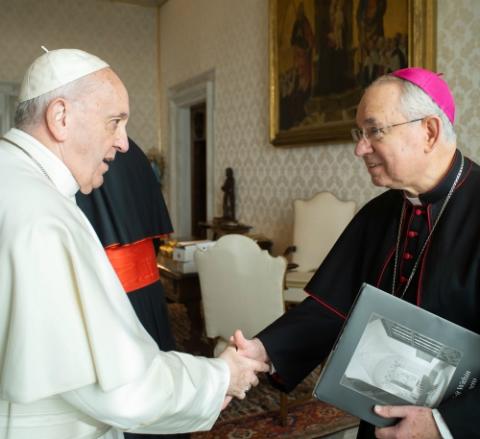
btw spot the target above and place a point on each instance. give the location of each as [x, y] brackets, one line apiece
[461, 414]
[302, 338]
[299, 341]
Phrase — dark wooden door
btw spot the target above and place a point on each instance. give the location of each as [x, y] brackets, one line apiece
[198, 169]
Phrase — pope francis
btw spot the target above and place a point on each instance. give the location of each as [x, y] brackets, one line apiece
[74, 360]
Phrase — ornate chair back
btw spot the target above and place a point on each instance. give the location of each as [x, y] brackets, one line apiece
[318, 223]
[241, 287]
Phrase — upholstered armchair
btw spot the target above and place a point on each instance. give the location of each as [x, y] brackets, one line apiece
[241, 287]
[317, 224]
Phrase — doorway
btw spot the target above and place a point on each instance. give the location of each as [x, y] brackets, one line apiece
[198, 170]
[191, 155]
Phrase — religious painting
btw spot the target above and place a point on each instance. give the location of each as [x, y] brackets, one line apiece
[323, 53]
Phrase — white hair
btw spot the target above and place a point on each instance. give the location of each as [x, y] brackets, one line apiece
[415, 103]
[30, 113]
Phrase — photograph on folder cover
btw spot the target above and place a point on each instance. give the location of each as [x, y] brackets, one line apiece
[391, 359]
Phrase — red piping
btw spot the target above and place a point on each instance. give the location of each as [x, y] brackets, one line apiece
[329, 307]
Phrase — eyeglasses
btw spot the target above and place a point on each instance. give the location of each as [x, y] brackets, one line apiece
[376, 133]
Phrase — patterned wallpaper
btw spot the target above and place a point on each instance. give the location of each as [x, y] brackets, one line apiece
[231, 37]
[458, 56]
[124, 35]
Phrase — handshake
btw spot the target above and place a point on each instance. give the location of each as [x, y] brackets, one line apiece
[245, 358]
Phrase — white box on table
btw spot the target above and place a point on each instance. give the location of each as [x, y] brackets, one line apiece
[185, 250]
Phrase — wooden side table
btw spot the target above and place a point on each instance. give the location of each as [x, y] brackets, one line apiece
[219, 229]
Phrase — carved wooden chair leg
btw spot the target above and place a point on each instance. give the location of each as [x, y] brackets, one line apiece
[283, 409]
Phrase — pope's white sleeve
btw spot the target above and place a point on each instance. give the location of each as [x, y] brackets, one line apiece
[179, 393]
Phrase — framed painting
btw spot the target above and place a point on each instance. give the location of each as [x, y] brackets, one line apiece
[323, 53]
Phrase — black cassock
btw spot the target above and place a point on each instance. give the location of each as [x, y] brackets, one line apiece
[446, 281]
[126, 209]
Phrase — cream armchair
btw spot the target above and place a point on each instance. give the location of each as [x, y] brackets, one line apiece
[241, 287]
[317, 224]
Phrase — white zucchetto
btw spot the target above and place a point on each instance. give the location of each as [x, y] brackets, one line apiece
[56, 68]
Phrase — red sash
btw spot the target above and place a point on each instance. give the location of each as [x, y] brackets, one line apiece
[135, 264]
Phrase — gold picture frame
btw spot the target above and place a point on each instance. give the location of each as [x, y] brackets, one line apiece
[317, 77]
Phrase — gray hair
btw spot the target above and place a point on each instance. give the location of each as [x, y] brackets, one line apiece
[415, 103]
[30, 113]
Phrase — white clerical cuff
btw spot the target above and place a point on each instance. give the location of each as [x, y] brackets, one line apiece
[441, 425]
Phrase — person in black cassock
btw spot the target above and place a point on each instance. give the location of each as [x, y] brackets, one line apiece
[419, 240]
[129, 216]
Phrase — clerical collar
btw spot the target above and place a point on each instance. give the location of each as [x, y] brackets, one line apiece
[440, 191]
[415, 201]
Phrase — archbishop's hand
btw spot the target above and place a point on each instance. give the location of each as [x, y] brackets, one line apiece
[243, 372]
[415, 423]
[249, 348]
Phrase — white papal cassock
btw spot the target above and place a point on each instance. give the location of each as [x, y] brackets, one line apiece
[74, 359]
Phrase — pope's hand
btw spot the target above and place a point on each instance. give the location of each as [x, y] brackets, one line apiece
[243, 372]
[415, 423]
[226, 401]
